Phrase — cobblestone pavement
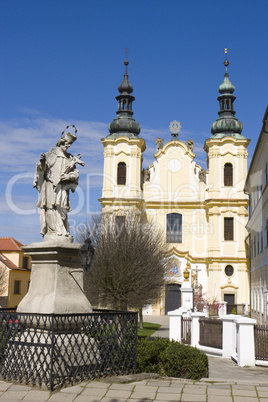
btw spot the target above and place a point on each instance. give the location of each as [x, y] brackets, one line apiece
[154, 389]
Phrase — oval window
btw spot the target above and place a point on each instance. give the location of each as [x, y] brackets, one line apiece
[229, 270]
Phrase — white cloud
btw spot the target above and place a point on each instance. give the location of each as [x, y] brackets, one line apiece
[25, 139]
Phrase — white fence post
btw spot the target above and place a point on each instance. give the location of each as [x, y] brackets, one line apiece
[222, 309]
[195, 331]
[175, 318]
[245, 341]
[228, 335]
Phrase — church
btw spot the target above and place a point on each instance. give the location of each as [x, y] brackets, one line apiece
[202, 213]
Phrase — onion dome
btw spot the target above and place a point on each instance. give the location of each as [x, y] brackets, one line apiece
[226, 124]
[124, 124]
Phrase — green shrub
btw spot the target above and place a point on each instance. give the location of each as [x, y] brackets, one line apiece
[170, 358]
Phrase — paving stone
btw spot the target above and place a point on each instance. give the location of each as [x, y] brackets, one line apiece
[4, 386]
[96, 384]
[194, 397]
[35, 395]
[220, 398]
[19, 387]
[263, 394]
[169, 390]
[118, 400]
[124, 387]
[194, 390]
[159, 383]
[142, 395]
[113, 393]
[219, 391]
[10, 400]
[76, 389]
[244, 392]
[94, 391]
[62, 397]
[143, 388]
[242, 399]
[14, 395]
[219, 386]
[244, 386]
[168, 398]
[132, 400]
[88, 398]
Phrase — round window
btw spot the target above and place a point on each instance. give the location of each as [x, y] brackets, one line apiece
[229, 270]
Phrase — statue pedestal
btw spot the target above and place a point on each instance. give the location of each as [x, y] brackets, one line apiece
[187, 296]
[56, 280]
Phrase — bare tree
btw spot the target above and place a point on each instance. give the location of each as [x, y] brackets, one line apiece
[129, 265]
[3, 280]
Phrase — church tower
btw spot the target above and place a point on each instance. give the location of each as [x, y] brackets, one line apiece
[227, 204]
[123, 149]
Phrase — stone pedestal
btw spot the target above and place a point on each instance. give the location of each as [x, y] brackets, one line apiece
[187, 297]
[56, 280]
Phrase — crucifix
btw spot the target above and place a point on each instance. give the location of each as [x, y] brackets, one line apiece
[126, 50]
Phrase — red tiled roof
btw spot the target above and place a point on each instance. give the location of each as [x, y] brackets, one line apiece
[10, 264]
[9, 244]
[7, 262]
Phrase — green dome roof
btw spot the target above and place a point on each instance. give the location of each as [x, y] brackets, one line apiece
[226, 124]
[226, 86]
[124, 124]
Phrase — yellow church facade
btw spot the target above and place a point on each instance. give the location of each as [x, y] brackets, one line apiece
[201, 212]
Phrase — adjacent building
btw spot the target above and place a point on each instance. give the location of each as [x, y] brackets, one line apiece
[257, 226]
[15, 271]
[202, 211]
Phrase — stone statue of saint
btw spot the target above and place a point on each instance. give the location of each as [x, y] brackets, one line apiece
[190, 144]
[159, 143]
[55, 176]
[202, 176]
[146, 175]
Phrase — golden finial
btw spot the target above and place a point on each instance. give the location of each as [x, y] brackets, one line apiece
[126, 50]
[226, 62]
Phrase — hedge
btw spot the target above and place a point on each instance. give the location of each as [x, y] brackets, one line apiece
[171, 359]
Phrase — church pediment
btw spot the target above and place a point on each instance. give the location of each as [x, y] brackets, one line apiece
[175, 148]
[174, 175]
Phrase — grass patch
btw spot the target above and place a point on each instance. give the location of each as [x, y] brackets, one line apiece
[148, 329]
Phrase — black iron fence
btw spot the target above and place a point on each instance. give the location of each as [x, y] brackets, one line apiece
[52, 351]
[186, 330]
[210, 332]
[261, 342]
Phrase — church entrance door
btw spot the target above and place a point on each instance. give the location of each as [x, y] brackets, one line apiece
[172, 297]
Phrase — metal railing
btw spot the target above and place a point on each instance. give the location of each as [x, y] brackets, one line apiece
[261, 342]
[52, 351]
[186, 330]
[210, 332]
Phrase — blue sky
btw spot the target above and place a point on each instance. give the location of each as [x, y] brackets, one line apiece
[62, 60]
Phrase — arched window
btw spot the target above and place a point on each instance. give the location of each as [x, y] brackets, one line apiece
[121, 173]
[174, 228]
[228, 174]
